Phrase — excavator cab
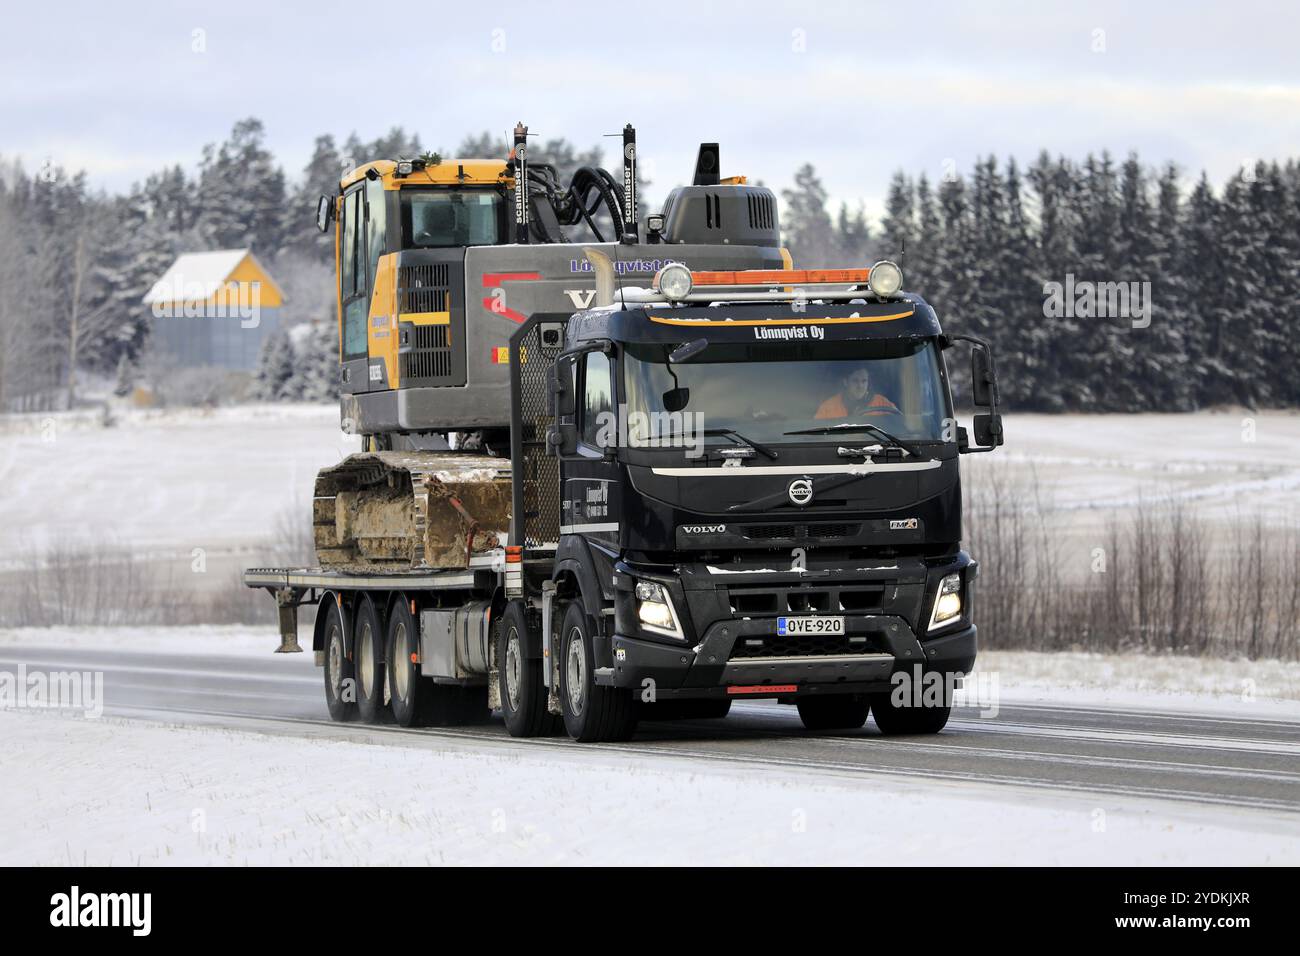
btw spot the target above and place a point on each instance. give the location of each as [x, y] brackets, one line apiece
[439, 261]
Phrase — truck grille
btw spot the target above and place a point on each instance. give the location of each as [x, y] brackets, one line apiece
[823, 531]
[767, 602]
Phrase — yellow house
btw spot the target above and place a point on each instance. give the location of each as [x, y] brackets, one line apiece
[214, 308]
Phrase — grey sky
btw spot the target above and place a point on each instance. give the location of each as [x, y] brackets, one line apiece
[858, 89]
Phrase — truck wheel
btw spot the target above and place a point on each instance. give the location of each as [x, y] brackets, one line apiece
[591, 712]
[368, 660]
[519, 679]
[340, 679]
[408, 689]
[892, 719]
[834, 711]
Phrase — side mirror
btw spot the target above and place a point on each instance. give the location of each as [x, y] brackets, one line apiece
[984, 394]
[676, 399]
[564, 387]
[324, 213]
[988, 430]
[982, 383]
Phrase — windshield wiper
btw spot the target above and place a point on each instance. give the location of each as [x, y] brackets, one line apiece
[848, 427]
[732, 433]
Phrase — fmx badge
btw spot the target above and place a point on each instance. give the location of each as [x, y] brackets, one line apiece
[904, 524]
[801, 491]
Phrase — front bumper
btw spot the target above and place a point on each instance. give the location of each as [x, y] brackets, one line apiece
[710, 670]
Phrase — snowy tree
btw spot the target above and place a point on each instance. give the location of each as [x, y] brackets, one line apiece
[318, 364]
[275, 370]
[805, 224]
[241, 193]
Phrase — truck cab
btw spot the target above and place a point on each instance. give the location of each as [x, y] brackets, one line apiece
[757, 495]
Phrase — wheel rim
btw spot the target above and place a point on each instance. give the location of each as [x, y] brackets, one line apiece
[514, 667]
[577, 668]
[336, 663]
[401, 662]
[366, 665]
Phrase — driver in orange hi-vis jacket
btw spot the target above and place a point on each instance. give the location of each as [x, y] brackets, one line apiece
[856, 399]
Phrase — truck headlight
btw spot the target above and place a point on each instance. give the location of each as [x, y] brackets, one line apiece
[654, 609]
[885, 278]
[947, 603]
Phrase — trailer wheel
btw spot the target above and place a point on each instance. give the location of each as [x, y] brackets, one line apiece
[368, 662]
[519, 679]
[892, 719]
[410, 691]
[340, 678]
[834, 711]
[591, 712]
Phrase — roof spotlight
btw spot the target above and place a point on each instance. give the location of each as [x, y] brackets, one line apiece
[674, 281]
[886, 279]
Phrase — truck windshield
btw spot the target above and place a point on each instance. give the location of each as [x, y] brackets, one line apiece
[434, 218]
[765, 391]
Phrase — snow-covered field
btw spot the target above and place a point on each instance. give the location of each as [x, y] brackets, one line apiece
[117, 792]
[1227, 464]
[169, 481]
[165, 482]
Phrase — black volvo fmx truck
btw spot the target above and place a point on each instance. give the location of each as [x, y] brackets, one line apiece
[739, 485]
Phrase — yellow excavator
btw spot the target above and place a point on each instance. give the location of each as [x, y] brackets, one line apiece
[439, 262]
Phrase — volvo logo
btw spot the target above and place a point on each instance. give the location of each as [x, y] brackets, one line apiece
[801, 491]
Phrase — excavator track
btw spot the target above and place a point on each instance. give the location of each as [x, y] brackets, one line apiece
[410, 510]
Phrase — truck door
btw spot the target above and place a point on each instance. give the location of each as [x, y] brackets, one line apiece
[590, 501]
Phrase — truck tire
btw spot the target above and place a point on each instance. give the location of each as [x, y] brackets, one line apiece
[519, 679]
[409, 690]
[834, 711]
[592, 713]
[368, 662]
[340, 679]
[892, 719]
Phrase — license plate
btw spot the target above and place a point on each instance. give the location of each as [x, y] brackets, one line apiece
[810, 624]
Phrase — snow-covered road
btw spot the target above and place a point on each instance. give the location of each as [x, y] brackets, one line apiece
[229, 758]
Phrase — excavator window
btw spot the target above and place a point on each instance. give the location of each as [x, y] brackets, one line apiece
[451, 217]
[352, 276]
